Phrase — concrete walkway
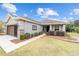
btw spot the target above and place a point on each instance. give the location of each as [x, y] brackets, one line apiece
[76, 37]
[8, 46]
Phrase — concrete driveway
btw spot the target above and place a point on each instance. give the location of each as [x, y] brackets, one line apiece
[5, 42]
[8, 46]
[7, 37]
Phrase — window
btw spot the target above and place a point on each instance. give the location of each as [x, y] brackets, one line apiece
[34, 27]
[56, 28]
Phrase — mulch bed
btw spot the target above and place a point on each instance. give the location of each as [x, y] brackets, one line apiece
[16, 41]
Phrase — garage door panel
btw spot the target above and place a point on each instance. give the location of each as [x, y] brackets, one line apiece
[12, 30]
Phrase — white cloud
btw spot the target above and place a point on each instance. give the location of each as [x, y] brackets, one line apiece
[75, 11]
[65, 18]
[14, 14]
[45, 12]
[40, 11]
[25, 15]
[71, 13]
[70, 18]
[9, 7]
[51, 12]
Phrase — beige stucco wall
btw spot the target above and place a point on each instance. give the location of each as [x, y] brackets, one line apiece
[26, 27]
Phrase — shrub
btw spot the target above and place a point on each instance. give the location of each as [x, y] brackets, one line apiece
[77, 29]
[28, 35]
[70, 27]
[76, 22]
[36, 34]
[60, 33]
[40, 33]
[31, 35]
[51, 33]
[1, 30]
[23, 37]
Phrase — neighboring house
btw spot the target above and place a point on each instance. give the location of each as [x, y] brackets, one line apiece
[21, 25]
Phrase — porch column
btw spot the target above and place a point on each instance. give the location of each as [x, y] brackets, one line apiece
[53, 28]
[64, 28]
[50, 28]
[60, 29]
[44, 29]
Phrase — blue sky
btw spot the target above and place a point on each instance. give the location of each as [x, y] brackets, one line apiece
[40, 11]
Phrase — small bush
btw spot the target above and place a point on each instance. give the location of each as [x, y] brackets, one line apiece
[77, 29]
[60, 33]
[36, 34]
[40, 33]
[31, 35]
[28, 35]
[23, 37]
[1, 30]
[51, 33]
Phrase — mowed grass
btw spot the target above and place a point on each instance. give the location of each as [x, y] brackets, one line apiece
[73, 33]
[2, 52]
[46, 46]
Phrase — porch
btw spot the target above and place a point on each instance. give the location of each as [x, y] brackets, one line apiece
[58, 30]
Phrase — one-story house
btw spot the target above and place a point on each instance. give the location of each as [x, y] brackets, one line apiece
[20, 25]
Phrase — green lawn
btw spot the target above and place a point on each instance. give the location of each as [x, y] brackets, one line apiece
[46, 46]
[73, 34]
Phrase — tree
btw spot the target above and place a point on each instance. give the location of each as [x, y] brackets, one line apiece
[77, 29]
[76, 22]
[1, 27]
[70, 27]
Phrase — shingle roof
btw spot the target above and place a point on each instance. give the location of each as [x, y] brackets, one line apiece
[43, 22]
[53, 22]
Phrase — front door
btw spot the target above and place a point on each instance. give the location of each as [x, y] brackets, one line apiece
[12, 30]
[46, 28]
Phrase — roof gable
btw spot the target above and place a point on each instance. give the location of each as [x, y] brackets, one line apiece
[11, 20]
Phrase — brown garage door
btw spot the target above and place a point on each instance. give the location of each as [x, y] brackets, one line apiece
[12, 30]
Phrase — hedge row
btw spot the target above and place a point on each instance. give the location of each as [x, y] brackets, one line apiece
[28, 35]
